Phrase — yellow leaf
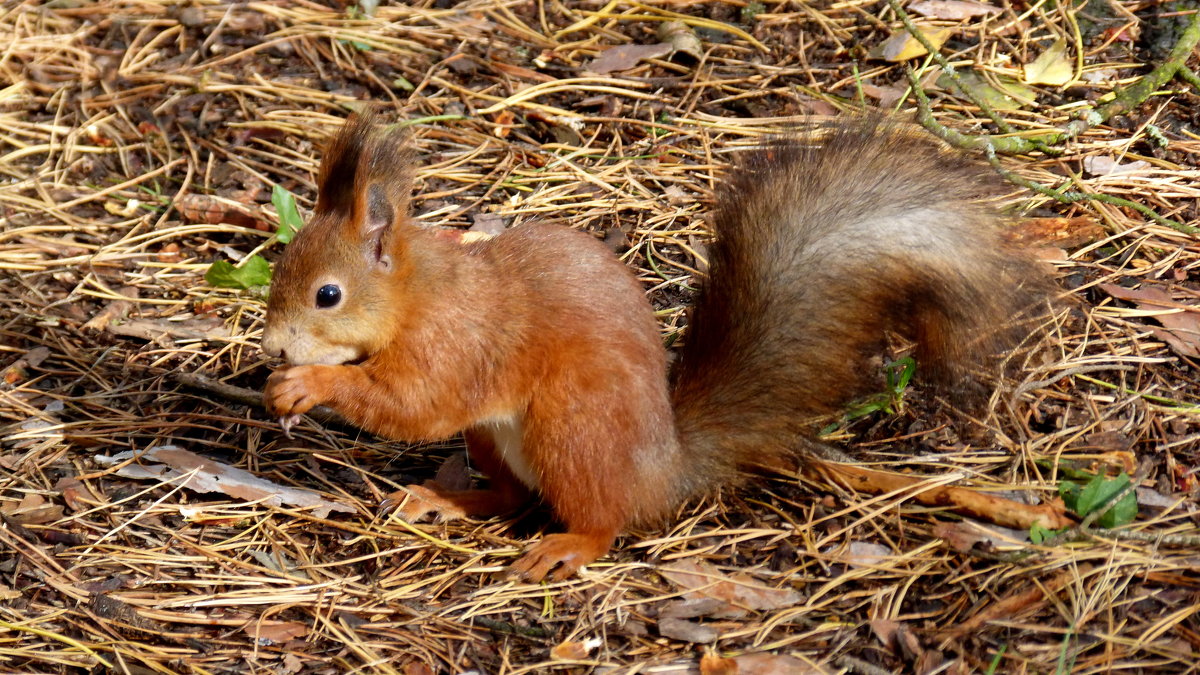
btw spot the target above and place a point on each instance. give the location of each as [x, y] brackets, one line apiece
[902, 46]
[1052, 67]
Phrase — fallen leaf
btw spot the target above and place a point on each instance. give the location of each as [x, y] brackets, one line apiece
[765, 663]
[681, 38]
[1101, 75]
[207, 475]
[254, 271]
[885, 630]
[974, 503]
[864, 554]
[713, 664]
[902, 46]
[454, 474]
[691, 608]
[965, 535]
[887, 96]
[952, 9]
[113, 311]
[1152, 497]
[416, 668]
[1053, 67]
[73, 492]
[1007, 94]
[275, 632]
[624, 57]
[214, 210]
[740, 593]
[1181, 321]
[1109, 166]
[490, 224]
[574, 650]
[161, 330]
[18, 371]
[1056, 231]
[33, 509]
[40, 429]
[687, 631]
[293, 664]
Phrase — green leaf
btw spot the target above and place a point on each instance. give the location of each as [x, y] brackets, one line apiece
[1038, 533]
[1125, 510]
[1083, 501]
[289, 216]
[255, 271]
[900, 373]
[1070, 494]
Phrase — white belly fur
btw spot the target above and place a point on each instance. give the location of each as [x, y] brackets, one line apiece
[506, 434]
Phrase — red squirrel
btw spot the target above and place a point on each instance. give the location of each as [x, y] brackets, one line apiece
[540, 346]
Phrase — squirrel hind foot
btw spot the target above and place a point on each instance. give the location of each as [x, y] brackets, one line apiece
[560, 556]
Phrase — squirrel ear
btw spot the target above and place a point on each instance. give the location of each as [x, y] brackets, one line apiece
[378, 220]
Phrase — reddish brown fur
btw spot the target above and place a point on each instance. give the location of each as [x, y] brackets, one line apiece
[543, 326]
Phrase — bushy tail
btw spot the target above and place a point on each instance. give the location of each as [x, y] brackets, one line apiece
[820, 251]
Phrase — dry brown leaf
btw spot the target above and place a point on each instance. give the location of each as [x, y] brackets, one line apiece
[713, 664]
[210, 476]
[740, 593]
[864, 554]
[33, 509]
[887, 96]
[17, 371]
[161, 331]
[1181, 321]
[687, 631]
[885, 630]
[73, 493]
[1100, 165]
[691, 608]
[965, 535]
[416, 668]
[1055, 231]
[213, 210]
[572, 650]
[113, 311]
[977, 504]
[765, 663]
[681, 38]
[624, 57]
[952, 9]
[276, 632]
[1008, 607]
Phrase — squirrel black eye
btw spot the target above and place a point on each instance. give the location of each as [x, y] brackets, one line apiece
[328, 295]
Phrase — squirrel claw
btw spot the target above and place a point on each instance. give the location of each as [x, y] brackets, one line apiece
[287, 422]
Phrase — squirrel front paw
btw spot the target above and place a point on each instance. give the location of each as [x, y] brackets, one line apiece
[294, 391]
[414, 502]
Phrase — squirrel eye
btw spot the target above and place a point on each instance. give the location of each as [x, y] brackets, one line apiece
[328, 295]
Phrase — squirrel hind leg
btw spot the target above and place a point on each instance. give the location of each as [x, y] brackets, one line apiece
[560, 556]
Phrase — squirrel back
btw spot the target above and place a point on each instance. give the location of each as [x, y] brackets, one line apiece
[820, 251]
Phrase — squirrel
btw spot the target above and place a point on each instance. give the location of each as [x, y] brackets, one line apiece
[541, 348]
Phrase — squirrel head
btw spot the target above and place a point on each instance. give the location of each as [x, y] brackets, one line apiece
[330, 301]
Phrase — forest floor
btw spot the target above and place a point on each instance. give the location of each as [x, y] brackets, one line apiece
[142, 142]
